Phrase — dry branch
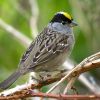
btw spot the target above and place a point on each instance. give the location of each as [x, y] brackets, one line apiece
[24, 91]
[87, 64]
[29, 93]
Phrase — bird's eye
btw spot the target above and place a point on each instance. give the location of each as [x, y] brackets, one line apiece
[63, 22]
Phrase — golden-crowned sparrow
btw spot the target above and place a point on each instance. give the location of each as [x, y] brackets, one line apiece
[49, 50]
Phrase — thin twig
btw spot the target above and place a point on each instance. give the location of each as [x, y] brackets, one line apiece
[69, 85]
[85, 65]
[29, 93]
[34, 17]
[84, 78]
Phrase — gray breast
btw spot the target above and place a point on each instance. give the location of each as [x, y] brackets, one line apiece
[60, 59]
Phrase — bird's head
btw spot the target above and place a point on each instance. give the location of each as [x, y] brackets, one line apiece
[64, 18]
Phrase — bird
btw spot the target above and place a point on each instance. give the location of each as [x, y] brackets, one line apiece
[48, 51]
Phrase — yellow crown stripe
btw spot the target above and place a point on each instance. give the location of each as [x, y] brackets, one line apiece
[66, 15]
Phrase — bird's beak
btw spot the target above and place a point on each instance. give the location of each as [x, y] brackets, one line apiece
[73, 23]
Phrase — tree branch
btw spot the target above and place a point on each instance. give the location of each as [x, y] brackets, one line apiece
[87, 64]
[34, 17]
[24, 40]
[26, 87]
[29, 93]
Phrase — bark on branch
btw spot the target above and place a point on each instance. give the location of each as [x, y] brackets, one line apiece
[87, 64]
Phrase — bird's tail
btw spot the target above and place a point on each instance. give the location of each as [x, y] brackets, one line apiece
[10, 80]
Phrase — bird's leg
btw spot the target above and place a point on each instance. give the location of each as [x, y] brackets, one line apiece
[36, 79]
[46, 74]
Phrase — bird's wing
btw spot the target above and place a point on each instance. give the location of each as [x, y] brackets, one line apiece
[47, 46]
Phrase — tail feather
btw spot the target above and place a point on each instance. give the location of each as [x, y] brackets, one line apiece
[10, 80]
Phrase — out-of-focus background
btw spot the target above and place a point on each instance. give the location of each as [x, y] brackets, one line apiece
[29, 17]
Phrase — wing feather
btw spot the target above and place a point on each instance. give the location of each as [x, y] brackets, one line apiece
[47, 46]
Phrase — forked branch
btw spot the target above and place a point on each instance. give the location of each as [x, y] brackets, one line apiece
[87, 64]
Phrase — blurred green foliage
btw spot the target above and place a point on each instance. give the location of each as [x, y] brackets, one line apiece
[17, 13]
